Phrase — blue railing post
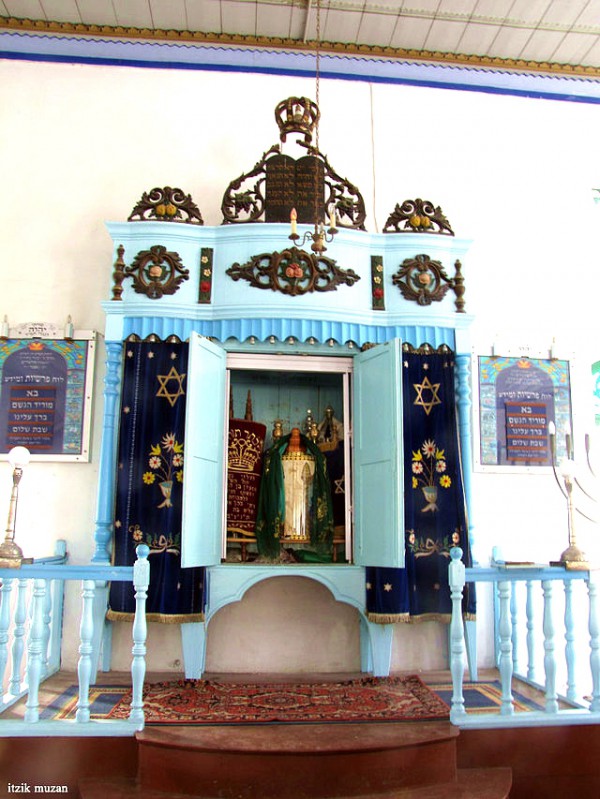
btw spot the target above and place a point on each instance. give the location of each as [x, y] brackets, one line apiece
[457, 634]
[594, 630]
[86, 635]
[549, 657]
[141, 580]
[505, 662]
[36, 640]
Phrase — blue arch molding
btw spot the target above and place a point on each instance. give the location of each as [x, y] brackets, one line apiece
[175, 55]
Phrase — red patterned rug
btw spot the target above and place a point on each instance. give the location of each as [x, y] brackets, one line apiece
[363, 700]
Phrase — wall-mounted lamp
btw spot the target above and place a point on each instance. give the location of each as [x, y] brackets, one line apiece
[11, 554]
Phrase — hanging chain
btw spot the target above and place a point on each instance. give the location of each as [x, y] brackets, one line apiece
[317, 100]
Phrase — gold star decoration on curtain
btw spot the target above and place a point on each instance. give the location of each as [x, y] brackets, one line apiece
[164, 380]
[432, 390]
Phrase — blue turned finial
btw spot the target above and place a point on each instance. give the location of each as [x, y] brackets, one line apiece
[456, 553]
[143, 550]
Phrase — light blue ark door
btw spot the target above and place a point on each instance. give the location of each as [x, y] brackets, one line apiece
[378, 457]
[203, 481]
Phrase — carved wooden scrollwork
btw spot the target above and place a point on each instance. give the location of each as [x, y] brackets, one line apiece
[417, 216]
[277, 183]
[156, 272]
[166, 205]
[293, 272]
[244, 199]
[423, 280]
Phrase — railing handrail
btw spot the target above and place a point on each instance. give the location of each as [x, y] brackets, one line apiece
[504, 576]
[67, 571]
[500, 573]
[41, 575]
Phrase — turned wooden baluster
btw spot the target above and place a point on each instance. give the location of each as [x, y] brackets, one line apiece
[5, 596]
[457, 641]
[141, 578]
[34, 660]
[505, 664]
[86, 634]
[549, 658]
[18, 646]
[594, 630]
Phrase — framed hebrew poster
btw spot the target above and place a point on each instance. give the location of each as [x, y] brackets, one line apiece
[46, 392]
[516, 400]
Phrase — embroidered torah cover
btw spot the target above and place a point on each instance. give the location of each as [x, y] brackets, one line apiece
[150, 481]
[435, 512]
[244, 470]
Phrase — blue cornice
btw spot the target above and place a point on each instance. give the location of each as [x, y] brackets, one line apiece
[264, 60]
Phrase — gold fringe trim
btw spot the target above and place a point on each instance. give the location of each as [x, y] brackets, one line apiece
[406, 618]
[276, 42]
[164, 618]
[388, 618]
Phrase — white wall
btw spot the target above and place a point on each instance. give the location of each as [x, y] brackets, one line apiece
[78, 146]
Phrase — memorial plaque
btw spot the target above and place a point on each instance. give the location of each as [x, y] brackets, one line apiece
[44, 397]
[298, 184]
[518, 397]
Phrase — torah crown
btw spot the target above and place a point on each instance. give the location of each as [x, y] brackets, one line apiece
[297, 115]
[245, 449]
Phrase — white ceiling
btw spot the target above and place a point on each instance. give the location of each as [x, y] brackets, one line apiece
[555, 32]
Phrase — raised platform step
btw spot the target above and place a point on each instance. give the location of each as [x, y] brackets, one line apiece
[311, 761]
[491, 783]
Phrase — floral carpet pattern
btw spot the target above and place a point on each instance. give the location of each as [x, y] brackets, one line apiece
[367, 699]
[362, 700]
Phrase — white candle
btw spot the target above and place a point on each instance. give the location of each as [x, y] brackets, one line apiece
[293, 217]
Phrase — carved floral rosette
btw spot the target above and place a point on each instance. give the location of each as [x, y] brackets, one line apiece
[156, 272]
[293, 271]
[422, 280]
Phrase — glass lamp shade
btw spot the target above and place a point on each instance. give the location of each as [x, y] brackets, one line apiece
[19, 457]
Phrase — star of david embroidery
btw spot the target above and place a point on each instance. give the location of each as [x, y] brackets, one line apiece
[339, 486]
[171, 396]
[387, 587]
[433, 388]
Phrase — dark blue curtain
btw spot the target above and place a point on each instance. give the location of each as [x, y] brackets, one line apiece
[435, 512]
[150, 482]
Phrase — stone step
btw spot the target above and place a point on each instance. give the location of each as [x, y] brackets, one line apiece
[493, 783]
[299, 761]
[484, 783]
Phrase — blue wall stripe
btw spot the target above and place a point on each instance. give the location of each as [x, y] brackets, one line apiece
[174, 55]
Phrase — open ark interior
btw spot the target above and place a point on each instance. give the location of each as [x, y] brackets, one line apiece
[265, 404]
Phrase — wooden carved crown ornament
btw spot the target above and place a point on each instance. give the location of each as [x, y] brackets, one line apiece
[293, 272]
[155, 272]
[166, 205]
[423, 280]
[279, 184]
[417, 216]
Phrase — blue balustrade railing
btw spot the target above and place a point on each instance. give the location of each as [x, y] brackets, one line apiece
[546, 635]
[31, 605]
